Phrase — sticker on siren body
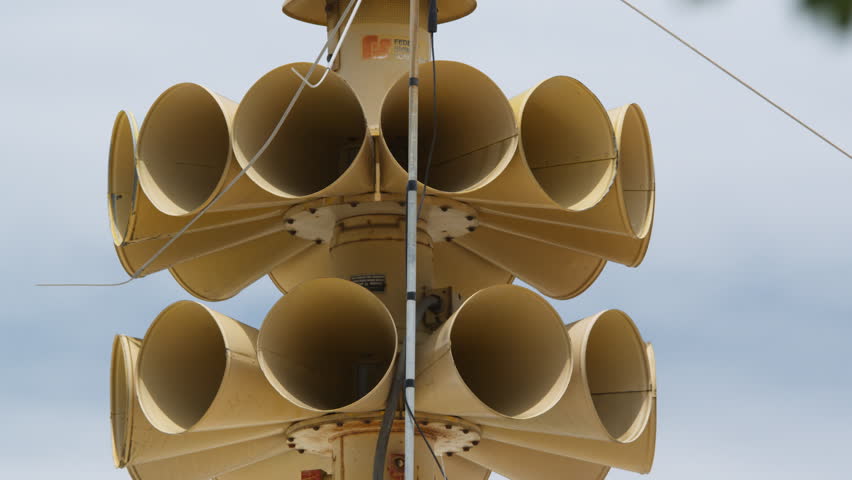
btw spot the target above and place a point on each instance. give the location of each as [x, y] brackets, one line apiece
[375, 47]
[376, 283]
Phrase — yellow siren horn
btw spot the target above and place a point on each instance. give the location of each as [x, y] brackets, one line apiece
[566, 159]
[619, 227]
[198, 371]
[636, 456]
[461, 372]
[186, 158]
[135, 441]
[609, 397]
[330, 345]
[476, 134]
[322, 149]
[140, 230]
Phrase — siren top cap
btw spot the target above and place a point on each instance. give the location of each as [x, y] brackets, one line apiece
[313, 11]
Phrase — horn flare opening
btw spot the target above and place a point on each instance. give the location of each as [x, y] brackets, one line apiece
[184, 149]
[568, 142]
[511, 350]
[320, 139]
[181, 367]
[476, 131]
[327, 345]
[122, 175]
[618, 375]
[637, 174]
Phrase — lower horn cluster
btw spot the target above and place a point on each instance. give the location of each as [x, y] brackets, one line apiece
[502, 383]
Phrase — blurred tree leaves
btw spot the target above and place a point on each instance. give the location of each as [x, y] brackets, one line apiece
[838, 12]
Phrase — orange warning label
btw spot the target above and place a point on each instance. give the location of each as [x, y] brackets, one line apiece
[375, 47]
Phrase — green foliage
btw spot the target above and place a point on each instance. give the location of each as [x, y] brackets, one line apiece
[839, 12]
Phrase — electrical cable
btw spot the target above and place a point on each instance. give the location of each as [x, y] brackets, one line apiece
[741, 82]
[387, 420]
[138, 273]
[425, 440]
[432, 29]
[434, 125]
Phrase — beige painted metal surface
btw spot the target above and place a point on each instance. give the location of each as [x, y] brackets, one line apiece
[460, 374]
[637, 456]
[314, 11]
[519, 463]
[288, 466]
[554, 271]
[313, 263]
[457, 467]
[467, 272]
[609, 397]
[186, 157]
[447, 435]
[376, 52]
[619, 227]
[477, 131]
[140, 230]
[210, 463]
[224, 274]
[323, 360]
[374, 246]
[198, 371]
[566, 158]
[135, 441]
[322, 149]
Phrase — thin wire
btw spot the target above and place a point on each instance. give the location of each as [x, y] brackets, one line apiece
[434, 125]
[333, 57]
[225, 190]
[426, 440]
[741, 82]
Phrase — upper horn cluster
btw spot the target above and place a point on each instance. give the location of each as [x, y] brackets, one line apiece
[550, 177]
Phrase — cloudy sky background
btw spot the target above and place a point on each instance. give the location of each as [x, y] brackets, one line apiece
[745, 291]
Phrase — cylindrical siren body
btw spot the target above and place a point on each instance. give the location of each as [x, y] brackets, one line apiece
[314, 11]
[475, 130]
[329, 345]
[198, 371]
[504, 353]
[320, 149]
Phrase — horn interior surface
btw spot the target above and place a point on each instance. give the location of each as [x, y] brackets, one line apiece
[476, 132]
[317, 143]
[618, 375]
[181, 367]
[184, 149]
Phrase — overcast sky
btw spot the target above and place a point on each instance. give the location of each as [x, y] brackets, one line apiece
[745, 292]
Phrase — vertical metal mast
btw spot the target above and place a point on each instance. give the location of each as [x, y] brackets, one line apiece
[411, 240]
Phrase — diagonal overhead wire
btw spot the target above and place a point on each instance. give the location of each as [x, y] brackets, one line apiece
[738, 79]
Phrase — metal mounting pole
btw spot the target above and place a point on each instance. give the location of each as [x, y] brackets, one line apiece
[411, 240]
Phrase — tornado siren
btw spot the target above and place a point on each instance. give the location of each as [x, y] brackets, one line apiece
[545, 188]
